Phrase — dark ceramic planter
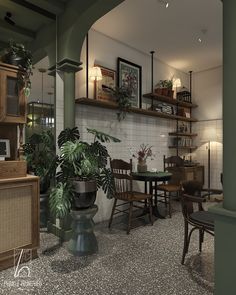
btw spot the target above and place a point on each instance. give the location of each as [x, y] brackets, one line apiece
[13, 59]
[85, 193]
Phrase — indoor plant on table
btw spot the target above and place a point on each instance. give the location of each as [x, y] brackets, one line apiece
[142, 154]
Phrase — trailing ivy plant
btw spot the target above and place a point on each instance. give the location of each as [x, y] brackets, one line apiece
[123, 99]
[79, 160]
[17, 54]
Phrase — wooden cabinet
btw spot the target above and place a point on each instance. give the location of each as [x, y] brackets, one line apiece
[12, 100]
[180, 174]
[19, 217]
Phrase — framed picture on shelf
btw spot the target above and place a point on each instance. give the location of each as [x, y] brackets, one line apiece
[109, 80]
[130, 77]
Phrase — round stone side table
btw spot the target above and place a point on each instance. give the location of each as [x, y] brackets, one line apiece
[83, 241]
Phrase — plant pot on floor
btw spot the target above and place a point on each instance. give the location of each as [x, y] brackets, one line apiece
[85, 193]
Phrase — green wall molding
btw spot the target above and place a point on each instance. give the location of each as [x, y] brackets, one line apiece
[69, 65]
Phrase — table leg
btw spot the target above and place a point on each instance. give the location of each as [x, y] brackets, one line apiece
[155, 210]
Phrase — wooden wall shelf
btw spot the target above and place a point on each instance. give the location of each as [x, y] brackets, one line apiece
[179, 134]
[113, 105]
[183, 147]
[169, 100]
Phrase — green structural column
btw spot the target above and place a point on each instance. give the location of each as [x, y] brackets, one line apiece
[69, 67]
[69, 100]
[225, 224]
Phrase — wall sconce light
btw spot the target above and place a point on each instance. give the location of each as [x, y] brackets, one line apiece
[95, 75]
[176, 84]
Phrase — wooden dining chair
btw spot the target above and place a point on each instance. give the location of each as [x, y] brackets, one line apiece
[199, 219]
[172, 186]
[122, 173]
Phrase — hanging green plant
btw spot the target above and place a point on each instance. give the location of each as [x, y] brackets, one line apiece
[16, 54]
[123, 99]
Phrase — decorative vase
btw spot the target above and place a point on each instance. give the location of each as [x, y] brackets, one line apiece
[142, 166]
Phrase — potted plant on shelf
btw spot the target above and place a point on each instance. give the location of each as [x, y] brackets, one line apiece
[82, 169]
[164, 87]
[17, 54]
[122, 96]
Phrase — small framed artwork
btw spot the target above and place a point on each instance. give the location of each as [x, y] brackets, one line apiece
[130, 77]
[109, 80]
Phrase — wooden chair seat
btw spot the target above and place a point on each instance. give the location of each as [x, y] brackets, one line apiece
[200, 220]
[170, 188]
[204, 218]
[173, 186]
[133, 196]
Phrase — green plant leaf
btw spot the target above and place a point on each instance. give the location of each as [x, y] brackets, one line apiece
[108, 183]
[103, 137]
[69, 134]
[60, 200]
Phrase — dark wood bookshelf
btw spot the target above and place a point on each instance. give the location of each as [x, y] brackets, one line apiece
[113, 105]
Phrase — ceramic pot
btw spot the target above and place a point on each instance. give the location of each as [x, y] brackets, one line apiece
[85, 193]
[142, 166]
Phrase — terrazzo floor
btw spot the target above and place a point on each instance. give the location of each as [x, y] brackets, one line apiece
[145, 262]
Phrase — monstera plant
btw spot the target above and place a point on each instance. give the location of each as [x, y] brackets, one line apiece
[81, 171]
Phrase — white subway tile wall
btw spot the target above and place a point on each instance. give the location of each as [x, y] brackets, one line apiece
[133, 131]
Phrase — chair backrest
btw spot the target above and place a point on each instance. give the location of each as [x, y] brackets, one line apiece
[173, 161]
[191, 192]
[121, 171]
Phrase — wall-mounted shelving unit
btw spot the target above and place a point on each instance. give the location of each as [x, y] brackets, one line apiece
[114, 106]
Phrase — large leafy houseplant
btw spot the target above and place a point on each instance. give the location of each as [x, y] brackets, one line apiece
[41, 158]
[80, 162]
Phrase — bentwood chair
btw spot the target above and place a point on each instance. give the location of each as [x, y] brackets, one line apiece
[200, 220]
[172, 186]
[122, 173]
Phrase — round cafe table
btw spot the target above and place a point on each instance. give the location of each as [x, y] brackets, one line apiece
[151, 179]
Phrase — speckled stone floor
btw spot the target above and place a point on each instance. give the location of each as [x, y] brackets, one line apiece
[145, 262]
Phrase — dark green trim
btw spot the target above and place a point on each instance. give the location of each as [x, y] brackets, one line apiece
[69, 99]
[35, 8]
[69, 65]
